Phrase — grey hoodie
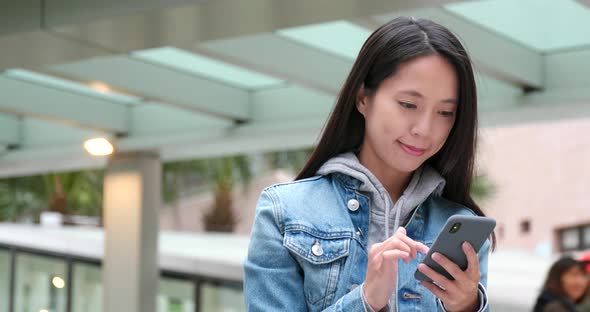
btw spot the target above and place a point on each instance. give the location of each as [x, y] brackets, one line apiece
[425, 181]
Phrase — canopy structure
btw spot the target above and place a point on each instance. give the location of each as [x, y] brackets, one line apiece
[180, 79]
[195, 79]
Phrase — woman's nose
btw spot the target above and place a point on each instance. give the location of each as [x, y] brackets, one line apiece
[422, 125]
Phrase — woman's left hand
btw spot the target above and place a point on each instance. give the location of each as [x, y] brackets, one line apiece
[459, 294]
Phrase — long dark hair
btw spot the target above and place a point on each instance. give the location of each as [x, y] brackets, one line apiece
[398, 41]
[553, 282]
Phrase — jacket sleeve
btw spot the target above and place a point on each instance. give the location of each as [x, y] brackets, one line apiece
[483, 255]
[273, 280]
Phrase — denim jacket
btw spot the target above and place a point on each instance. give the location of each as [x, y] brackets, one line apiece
[308, 250]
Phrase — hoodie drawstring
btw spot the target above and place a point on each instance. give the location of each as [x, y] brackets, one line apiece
[397, 213]
[400, 204]
[386, 222]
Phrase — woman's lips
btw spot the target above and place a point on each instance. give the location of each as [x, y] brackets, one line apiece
[414, 151]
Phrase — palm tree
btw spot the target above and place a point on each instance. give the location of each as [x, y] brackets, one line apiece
[226, 172]
[69, 193]
[20, 197]
[75, 193]
[221, 174]
[180, 178]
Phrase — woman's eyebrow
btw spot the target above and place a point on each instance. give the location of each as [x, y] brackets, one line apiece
[419, 95]
[412, 93]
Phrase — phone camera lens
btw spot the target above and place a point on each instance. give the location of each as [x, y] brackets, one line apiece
[455, 227]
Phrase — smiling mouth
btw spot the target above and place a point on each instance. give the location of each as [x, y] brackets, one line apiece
[412, 150]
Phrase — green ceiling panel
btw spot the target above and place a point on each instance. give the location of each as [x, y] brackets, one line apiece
[341, 38]
[543, 25]
[207, 67]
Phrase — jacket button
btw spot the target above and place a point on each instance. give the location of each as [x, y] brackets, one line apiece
[353, 286]
[316, 249]
[353, 205]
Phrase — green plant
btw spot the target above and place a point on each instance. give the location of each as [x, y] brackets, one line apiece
[20, 196]
[482, 188]
[220, 174]
[76, 193]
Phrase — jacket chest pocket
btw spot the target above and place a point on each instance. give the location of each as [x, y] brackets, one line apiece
[321, 257]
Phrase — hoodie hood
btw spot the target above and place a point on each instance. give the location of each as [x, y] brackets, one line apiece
[424, 182]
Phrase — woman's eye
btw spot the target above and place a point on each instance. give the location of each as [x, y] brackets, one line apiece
[447, 113]
[407, 105]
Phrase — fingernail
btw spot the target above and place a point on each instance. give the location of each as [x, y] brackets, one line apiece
[436, 257]
[466, 246]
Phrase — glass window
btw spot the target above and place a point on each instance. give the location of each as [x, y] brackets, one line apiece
[222, 297]
[525, 226]
[586, 236]
[4, 279]
[570, 239]
[40, 283]
[87, 291]
[176, 295]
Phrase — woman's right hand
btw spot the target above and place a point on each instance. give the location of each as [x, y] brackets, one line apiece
[382, 267]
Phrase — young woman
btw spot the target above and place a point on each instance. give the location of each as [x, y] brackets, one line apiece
[565, 286]
[394, 162]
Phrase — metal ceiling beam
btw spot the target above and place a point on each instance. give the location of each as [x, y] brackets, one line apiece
[568, 69]
[23, 98]
[9, 130]
[164, 84]
[158, 119]
[290, 103]
[166, 107]
[254, 138]
[55, 159]
[566, 96]
[38, 133]
[541, 108]
[288, 59]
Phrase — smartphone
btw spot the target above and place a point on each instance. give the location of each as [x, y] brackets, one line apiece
[458, 229]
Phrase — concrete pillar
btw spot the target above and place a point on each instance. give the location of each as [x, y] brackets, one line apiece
[132, 198]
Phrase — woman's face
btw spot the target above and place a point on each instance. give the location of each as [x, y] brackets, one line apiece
[410, 116]
[575, 283]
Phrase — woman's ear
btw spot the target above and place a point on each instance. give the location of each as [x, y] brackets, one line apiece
[361, 100]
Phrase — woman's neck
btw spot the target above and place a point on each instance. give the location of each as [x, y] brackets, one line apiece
[394, 181]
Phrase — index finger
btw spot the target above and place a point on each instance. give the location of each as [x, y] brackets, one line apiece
[415, 246]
